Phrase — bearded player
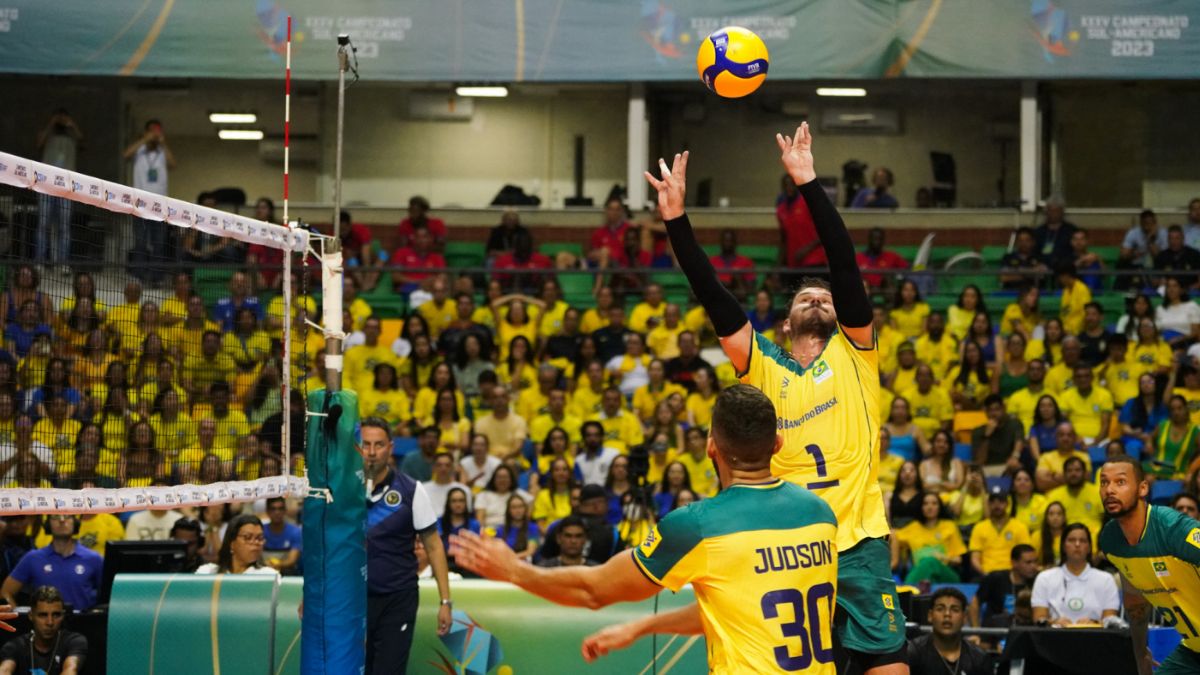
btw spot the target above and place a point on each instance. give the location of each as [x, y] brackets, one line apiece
[826, 397]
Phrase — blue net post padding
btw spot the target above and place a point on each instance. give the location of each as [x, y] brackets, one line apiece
[333, 634]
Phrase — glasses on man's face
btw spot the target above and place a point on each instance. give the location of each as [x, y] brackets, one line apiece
[252, 538]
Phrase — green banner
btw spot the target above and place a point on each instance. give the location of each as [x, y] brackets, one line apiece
[601, 40]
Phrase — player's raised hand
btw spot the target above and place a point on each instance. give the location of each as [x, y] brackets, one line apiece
[672, 187]
[796, 154]
[607, 639]
[489, 558]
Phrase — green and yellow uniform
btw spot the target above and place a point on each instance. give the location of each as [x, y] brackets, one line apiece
[1163, 566]
[1192, 396]
[828, 416]
[763, 564]
[1171, 456]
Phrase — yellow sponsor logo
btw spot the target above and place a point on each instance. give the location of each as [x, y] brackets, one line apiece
[887, 601]
[1193, 537]
[651, 543]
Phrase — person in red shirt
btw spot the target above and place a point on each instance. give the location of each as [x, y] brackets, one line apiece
[876, 258]
[358, 251]
[418, 216]
[728, 259]
[522, 257]
[419, 255]
[798, 240]
[265, 262]
[608, 240]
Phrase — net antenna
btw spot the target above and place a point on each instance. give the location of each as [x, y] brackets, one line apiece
[115, 204]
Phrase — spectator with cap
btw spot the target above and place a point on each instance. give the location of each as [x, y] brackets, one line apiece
[602, 539]
[995, 601]
[943, 650]
[993, 538]
[876, 257]
[1075, 593]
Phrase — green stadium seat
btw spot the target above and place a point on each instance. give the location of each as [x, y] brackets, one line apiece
[992, 255]
[1108, 254]
[763, 255]
[906, 251]
[553, 248]
[940, 254]
[713, 249]
[576, 283]
[673, 281]
[464, 254]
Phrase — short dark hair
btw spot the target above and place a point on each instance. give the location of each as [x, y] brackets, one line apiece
[812, 282]
[1065, 267]
[374, 422]
[948, 592]
[1094, 305]
[1183, 495]
[488, 377]
[419, 202]
[1025, 229]
[189, 525]
[48, 595]
[276, 500]
[1138, 472]
[572, 520]
[1067, 530]
[583, 429]
[1020, 550]
[993, 398]
[1074, 460]
[1175, 228]
[744, 427]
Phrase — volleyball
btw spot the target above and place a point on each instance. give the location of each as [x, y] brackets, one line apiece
[732, 62]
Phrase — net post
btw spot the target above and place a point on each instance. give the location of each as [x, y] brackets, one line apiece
[331, 261]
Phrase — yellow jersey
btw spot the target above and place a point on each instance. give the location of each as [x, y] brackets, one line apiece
[1120, 379]
[438, 316]
[1192, 396]
[922, 542]
[663, 341]
[1074, 299]
[60, 440]
[995, 546]
[910, 322]
[1031, 513]
[1013, 313]
[643, 313]
[700, 472]
[1149, 358]
[1086, 413]
[646, 400]
[931, 411]
[1053, 461]
[390, 404]
[1082, 505]
[700, 408]
[1059, 378]
[360, 361]
[763, 564]
[1162, 565]
[1022, 404]
[828, 415]
[938, 355]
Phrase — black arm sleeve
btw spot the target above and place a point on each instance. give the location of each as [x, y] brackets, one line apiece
[726, 314]
[850, 299]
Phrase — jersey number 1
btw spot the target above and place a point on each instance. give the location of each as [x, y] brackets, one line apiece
[819, 457]
[811, 645]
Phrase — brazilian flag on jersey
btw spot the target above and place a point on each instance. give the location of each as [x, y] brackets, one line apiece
[1163, 566]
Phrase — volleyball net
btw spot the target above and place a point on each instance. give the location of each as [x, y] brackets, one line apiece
[156, 352]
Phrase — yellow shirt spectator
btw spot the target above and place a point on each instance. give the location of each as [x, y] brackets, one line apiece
[930, 410]
[621, 431]
[1022, 404]
[390, 404]
[593, 320]
[360, 362]
[95, 531]
[550, 320]
[1082, 504]
[426, 399]
[438, 314]
[699, 409]
[972, 390]
[643, 313]
[230, 429]
[888, 340]
[60, 438]
[585, 401]
[542, 424]
[972, 506]
[550, 506]
[183, 341]
[1089, 413]
[359, 311]
[1053, 461]
[1031, 513]
[174, 436]
[646, 400]
[1074, 298]
[697, 321]
[943, 540]
[700, 472]
[200, 372]
[940, 355]
[507, 331]
[531, 402]
[1013, 313]
[247, 350]
[1119, 379]
[1059, 379]
[663, 341]
[995, 545]
[1153, 357]
[910, 321]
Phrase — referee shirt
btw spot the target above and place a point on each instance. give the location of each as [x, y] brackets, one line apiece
[397, 511]
[1078, 598]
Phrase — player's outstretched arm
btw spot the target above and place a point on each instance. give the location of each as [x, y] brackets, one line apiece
[727, 316]
[849, 297]
[682, 621]
[618, 580]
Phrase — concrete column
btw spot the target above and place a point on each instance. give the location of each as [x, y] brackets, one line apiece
[1031, 146]
[637, 148]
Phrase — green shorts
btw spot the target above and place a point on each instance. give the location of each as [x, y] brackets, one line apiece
[868, 617]
[1182, 661]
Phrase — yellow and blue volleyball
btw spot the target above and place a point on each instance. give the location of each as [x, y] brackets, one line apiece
[732, 62]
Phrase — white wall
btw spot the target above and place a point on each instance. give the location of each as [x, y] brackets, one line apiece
[525, 140]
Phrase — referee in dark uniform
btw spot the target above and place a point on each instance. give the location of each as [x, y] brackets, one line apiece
[398, 511]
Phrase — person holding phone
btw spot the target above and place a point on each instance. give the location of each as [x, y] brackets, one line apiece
[152, 160]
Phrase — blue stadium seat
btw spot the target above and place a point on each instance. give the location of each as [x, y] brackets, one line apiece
[1003, 482]
[1162, 491]
[968, 590]
[1097, 454]
[402, 445]
[964, 453]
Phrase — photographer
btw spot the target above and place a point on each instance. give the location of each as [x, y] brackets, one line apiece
[59, 144]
